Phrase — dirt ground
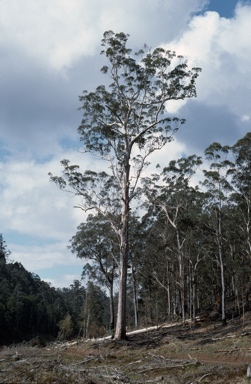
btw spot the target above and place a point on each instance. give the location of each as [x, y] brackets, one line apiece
[201, 353]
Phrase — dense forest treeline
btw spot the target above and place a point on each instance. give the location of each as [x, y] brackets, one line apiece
[191, 250]
[31, 309]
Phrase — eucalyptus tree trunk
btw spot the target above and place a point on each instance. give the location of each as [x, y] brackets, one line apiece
[222, 269]
[112, 316]
[181, 277]
[168, 290]
[135, 301]
[194, 297]
[120, 332]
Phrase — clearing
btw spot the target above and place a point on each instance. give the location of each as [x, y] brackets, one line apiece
[204, 353]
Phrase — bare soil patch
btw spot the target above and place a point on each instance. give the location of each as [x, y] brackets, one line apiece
[203, 353]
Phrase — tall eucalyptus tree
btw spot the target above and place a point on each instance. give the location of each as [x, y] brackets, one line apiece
[218, 188]
[124, 124]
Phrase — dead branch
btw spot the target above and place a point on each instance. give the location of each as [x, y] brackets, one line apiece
[245, 333]
[223, 338]
[135, 362]
[158, 356]
[227, 350]
[174, 364]
[203, 377]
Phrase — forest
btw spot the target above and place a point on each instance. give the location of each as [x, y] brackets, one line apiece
[189, 254]
[191, 249]
[30, 309]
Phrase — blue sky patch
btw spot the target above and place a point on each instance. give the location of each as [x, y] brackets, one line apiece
[225, 8]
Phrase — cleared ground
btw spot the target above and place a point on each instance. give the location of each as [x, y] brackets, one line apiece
[203, 353]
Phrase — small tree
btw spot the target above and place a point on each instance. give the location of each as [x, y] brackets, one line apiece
[94, 314]
[66, 328]
[95, 242]
[124, 124]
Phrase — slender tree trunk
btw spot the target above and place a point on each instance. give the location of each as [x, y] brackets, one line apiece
[87, 323]
[135, 301]
[190, 290]
[124, 251]
[248, 224]
[168, 291]
[222, 272]
[194, 302]
[112, 323]
[222, 288]
[193, 295]
[121, 316]
[181, 279]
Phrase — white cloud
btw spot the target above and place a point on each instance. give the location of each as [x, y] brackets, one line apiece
[49, 261]
[30, 204]
[58, 31]
[61, 31]
[221, 47]
[63, 281]
[173, 150]
[245, 118]
[235, 37]
[41, 257]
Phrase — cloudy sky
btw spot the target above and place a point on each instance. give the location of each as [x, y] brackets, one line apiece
[49, 53]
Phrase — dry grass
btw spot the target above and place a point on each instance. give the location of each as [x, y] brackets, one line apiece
[176, 355]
